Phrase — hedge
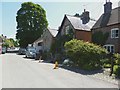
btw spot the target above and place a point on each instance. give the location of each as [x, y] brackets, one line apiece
[84, 54]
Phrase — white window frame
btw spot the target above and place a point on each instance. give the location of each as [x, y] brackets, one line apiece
[110, 46]
[67, 28]
[113, 34]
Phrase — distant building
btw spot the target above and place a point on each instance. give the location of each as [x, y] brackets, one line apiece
[109, 22]
[45, 41]
[2, 39]
[80, 24]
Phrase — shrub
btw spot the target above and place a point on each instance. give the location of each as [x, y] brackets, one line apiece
[117, 58]
[85, 54]
[106, 61]
[106, 65]
[116, 70]
[46, 55]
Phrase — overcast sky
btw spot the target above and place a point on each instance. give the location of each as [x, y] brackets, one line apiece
[55, 10]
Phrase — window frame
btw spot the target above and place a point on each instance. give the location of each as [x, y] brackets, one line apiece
[110, 47]
[67, 28]
[113, 33]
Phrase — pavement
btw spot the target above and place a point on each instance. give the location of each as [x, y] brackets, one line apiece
[20, 72]
[0, 72]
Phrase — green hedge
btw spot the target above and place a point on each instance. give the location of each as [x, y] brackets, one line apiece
[84, 54]
[117, 58]
[116, 70]
[107, 65]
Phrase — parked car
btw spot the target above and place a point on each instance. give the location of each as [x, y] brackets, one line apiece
[22, 51]
[3, 50]
[0, 49]
[30, 53]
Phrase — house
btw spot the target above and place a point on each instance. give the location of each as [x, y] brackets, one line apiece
[37, 44]
[80, 25]
[109, 22]
[45, 41]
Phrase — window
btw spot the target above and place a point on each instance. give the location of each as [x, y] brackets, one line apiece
[67, 28]
[115, 33]
[110, 48]
[39, 44]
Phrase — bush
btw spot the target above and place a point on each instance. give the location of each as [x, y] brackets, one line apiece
[106, 61]
[116, 70]
[107, 65]
[84, 54]
[117, 58]
[46, 55]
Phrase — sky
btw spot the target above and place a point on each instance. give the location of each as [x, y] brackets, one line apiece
[55, 11]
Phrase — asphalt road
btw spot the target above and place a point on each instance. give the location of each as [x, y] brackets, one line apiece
[19, 72]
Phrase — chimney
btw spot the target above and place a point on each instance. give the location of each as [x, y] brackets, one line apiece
[85, 17]
[77, 15]
[107, 7]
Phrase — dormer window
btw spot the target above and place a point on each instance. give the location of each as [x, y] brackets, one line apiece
[115, 33]
[67, 28]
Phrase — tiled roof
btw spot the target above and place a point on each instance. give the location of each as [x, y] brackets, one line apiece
[113, 18]
[77, 23]
[53, 32]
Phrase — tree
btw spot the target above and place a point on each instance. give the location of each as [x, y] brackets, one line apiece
[13, 42]
[10, 43]
[31, 21]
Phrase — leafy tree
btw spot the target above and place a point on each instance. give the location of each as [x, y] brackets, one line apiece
[13, 42]
[16, 43]
[86, 55]
[8, 43]
[31, 21]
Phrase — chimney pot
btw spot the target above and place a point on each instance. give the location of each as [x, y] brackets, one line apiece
[85, 17]
[107, 7]
[84, 10]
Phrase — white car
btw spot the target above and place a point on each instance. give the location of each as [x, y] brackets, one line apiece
[30, 53]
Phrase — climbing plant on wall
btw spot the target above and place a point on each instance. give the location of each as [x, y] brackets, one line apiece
[100, 38]
[58, 45]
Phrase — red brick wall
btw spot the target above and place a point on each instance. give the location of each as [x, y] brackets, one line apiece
[83, 35]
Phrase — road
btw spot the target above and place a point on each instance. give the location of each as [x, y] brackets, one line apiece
[19, 72]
